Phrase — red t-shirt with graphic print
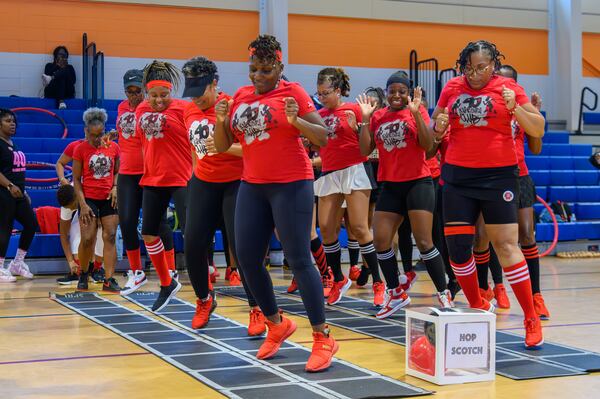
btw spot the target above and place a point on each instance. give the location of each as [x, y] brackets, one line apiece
[481, 124]
[519, 135]
[132, 159]
[214, 168]
[98, 168]
[70, 148]
[272, 148]
[400, 156]
[342, 149]
[434, 166]
[165, 143]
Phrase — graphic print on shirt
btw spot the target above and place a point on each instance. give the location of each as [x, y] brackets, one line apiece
[151, 124]
[332, 123]
[473, 110]
[19, 161]
[199, 132]
[100, 165]
[393, 134]
[514, 128]
[127, 124]
[252, 120]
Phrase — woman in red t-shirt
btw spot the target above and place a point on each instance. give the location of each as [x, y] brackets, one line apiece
[167, 164]
[212, 191]
[401, 134]
[268, 118]
[95, 173]
[481, 174]
[343, 178]
[131, 169]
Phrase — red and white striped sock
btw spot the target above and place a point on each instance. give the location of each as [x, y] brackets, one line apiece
[518, 277]
[466, 275]
[156, 250]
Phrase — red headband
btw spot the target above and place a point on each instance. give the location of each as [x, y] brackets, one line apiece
[155, 83]
[278, 54]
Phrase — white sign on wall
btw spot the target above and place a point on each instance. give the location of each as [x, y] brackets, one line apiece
[467, 345]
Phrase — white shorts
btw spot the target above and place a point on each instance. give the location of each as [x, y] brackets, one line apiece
[343, 181]
[75, 237]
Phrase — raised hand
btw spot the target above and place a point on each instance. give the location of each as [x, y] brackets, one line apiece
[415, 103]
[291, 109]
[536, 100]
[510, 98]
[441, 122]
[366, 106]
[222, 109]
[351, 118]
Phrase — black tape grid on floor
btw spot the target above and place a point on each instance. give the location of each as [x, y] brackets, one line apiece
[512, 359]
[225, 362]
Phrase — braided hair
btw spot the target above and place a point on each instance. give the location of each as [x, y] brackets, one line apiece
[474, 47]
[510, 69]
[161, 70]
[379, 94]
[199, 67]
[337, 77]
[266, 48]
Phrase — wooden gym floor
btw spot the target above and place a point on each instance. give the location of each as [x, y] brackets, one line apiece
[48, 351]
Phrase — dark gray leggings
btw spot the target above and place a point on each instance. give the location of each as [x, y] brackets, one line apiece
[288, 207]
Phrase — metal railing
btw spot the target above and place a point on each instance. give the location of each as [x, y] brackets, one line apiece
[583, 104]
[93, 73]
[426, 73]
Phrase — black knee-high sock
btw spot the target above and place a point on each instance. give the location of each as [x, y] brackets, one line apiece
[389, 267]
[405, 245]
[370, 255]
[333, 253]
[532, 257]
[495, 267]
[435, 267]
[316, 248]
[482, 260]
[353, 252]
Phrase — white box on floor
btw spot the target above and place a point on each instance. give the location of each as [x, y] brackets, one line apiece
[450, 346]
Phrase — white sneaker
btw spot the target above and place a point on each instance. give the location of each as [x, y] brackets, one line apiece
[174, 274]
[62, 105]
[135, 279]
[6, 276]
[445, 298]
[20, 269]
[394, 300]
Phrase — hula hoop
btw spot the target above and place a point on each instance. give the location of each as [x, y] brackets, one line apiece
[42, 165]
[554, 222]
[45, 111]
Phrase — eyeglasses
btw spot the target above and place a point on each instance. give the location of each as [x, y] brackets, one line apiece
[479, 70]
[325, 94]
[133, 92]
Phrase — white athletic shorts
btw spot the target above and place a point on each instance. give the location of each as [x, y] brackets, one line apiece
[75, 237]
[343, 181]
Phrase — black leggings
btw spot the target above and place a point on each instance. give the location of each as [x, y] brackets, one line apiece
[211, 202]
[12, 209]
[288, 207]
[155, 201]
[129, 200]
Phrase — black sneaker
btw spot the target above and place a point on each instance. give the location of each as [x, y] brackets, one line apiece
[165, 295]
[111, 285]
[454, 288]
[68, 279]
[98, 276]
[363, 277]
[82, 285]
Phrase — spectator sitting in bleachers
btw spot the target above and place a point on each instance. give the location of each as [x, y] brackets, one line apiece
[595, 160]
[59, 78]
[70, 236]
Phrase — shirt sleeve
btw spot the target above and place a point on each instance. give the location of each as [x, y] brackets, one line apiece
[520, 94]
[444, 96]
[425, 114]
[66, 213]
[69, 149]
[357, 112]
[77, 154]
[305, 103]
[48, 69]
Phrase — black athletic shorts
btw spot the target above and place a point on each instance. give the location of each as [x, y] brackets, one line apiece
[492, 191]
[527, 192]
[101, 208]
[377, 187]
[401, 197]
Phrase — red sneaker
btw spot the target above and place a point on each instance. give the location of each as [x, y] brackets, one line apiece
[327, 284]
[204, 308]
[540, 307]
[395, 299]
[338, 290]
[501, 298]
[293, 287]
[324, 347]
[257, 323]
[276, 335]
[534, 339]
[488, 294]
[378, 293]
[227, 273]
[354, 272]
[485, 305]
[411, 277]
[213, 273]
[234, 279]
